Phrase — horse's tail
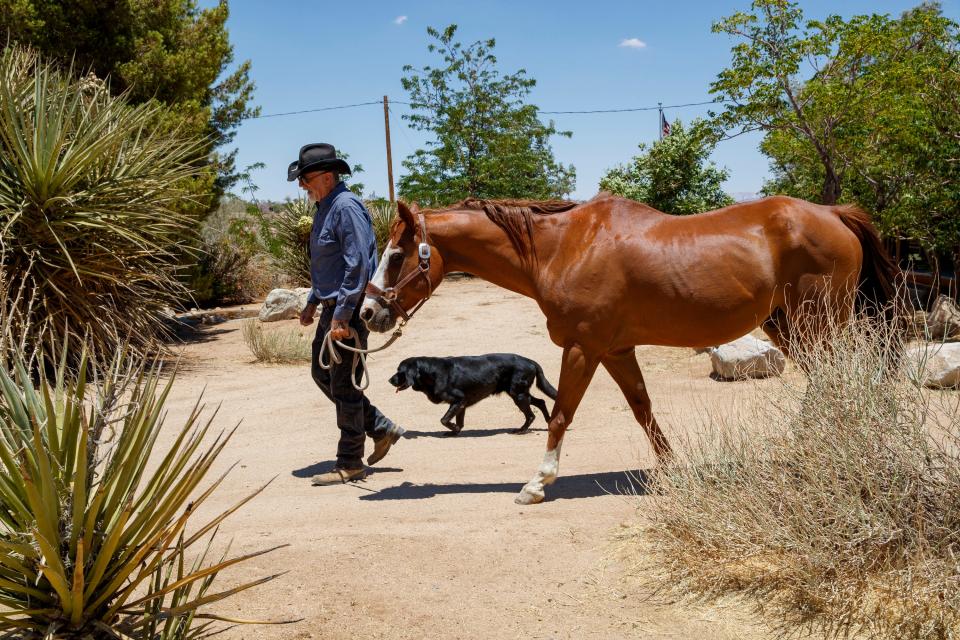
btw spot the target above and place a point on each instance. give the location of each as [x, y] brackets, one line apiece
[880, 289]
[544, 385]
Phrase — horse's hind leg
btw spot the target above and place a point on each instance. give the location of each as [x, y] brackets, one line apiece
[777, 328]
[576, 371]
[623, 368]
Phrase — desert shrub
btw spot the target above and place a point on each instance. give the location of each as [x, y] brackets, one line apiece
[834, 506]
[229, 267]
[285, 235]
[278, 346]
[93, 533]
[90, 211]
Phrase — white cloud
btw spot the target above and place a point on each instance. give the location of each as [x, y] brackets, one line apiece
[399, 20]
[633, 43]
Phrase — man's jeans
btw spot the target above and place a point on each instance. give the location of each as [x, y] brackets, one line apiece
[356, 417]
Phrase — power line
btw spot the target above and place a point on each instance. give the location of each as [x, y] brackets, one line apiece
[587, 111]
[293, 113]
[628, 109]
[666, 106]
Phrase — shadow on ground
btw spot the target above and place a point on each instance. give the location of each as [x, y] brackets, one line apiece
[328, 465]
[588, 485]
[466, 433]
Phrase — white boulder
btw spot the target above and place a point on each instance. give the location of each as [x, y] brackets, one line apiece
[935, 365]
[281, 304]
[746, 357]
[943, 323]
[284, 304]
[302, 294]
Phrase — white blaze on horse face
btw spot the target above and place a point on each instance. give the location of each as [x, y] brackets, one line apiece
[380, 276]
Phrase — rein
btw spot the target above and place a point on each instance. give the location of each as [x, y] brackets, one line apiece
[386, 297]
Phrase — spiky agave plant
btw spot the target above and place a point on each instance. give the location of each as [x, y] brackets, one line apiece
[92, 543]
[91, 202]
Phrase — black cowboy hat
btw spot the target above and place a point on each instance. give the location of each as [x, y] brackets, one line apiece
[318, 156]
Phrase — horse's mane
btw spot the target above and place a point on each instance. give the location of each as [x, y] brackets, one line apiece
[515, 217]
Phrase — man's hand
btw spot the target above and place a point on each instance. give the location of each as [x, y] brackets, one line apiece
[306, 316]
[339, 330]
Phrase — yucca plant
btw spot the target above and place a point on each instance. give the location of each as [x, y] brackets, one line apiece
[91, 202]
[285, 232]
[92, 544]
[382, 213]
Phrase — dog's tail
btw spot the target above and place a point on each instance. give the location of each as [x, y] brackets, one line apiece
[544, 385]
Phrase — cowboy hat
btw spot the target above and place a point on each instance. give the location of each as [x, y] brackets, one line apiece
[318, 156]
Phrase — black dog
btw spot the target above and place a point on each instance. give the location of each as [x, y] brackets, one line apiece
[465, 380]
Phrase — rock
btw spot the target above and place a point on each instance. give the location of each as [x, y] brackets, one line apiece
[943, 322]
[935, 365]
[915, 325]
[212, 318]
[281, 304]
[302, 294]
[746, 357]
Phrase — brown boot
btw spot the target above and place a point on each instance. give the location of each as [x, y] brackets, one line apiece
[339, 476]
[382, 446]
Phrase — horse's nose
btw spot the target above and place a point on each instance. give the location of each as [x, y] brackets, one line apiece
[366, 313]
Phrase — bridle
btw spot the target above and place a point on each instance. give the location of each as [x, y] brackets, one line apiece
[388, 297]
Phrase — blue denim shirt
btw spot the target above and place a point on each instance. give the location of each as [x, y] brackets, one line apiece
[343, 251]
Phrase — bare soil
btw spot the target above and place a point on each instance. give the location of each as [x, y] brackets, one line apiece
[431, 544]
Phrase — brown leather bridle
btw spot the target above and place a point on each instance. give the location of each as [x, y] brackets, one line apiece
[388, 297]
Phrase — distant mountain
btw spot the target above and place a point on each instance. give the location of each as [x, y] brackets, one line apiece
[743, 196]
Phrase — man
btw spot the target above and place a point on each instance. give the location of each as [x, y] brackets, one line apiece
[343, 256]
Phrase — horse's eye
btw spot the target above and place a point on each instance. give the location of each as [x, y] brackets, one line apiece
[396, 258]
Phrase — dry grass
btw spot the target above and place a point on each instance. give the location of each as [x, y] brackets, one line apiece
[277, 346]
[833, 508]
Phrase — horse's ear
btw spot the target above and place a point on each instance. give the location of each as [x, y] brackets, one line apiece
[406, 214]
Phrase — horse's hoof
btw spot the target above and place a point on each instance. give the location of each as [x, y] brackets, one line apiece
[528, 496]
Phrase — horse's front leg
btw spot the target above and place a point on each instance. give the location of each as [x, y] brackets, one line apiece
[576, 371]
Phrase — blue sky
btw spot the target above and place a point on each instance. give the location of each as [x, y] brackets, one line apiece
[308, 55]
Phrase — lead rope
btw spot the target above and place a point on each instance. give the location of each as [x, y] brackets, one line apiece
[359, 355]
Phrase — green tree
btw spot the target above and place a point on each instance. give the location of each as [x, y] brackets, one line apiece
[861, 110]
[487, 143]
[766, 88]
[673, 175]
[167, 51]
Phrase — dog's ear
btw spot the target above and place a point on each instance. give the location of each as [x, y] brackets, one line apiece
[422, 376]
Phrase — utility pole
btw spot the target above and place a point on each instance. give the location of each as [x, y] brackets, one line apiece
[660, 121]
[386, 128]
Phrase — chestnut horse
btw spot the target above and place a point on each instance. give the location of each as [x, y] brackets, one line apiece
[610, 274]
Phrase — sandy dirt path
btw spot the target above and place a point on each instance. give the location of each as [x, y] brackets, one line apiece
[431, 545]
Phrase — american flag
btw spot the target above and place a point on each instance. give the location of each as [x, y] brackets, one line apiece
[664, 126]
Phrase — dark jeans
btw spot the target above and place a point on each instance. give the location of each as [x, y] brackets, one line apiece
[356, 417]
